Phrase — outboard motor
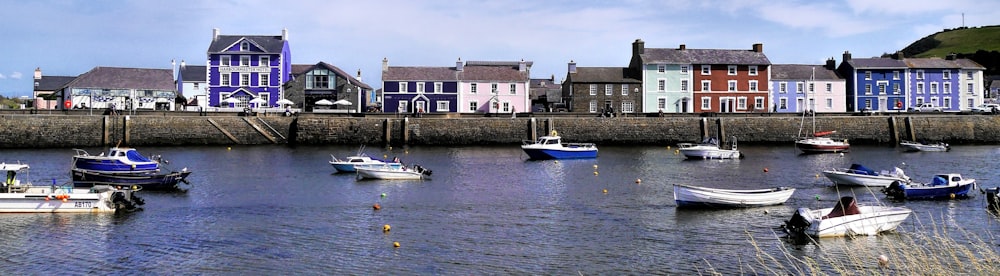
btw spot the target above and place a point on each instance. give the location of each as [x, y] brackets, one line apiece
[126, 200]
[422, 170]
[895, 190]
[797, 224]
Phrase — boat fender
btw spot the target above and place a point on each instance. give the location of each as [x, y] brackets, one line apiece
[742, 155]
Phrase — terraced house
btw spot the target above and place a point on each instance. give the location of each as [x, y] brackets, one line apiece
[682, 80]
[470, 87]
[247, 68]
[874, 84]
[953, 84]
[805, 87]
[606, 90]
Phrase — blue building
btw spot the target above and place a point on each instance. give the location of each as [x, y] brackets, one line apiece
[806, 87]
[874, 84]
[953, 84]
[247, 68]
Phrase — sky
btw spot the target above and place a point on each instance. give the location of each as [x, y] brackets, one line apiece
[69, 38]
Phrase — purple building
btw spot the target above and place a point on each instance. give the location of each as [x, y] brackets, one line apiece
[247, 70]
[874, 84]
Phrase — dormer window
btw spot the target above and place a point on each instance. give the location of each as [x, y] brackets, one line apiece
[244, 46]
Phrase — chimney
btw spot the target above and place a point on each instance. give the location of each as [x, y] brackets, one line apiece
[572, 67]
[683, 47]
[846, 56]
[38, 73]
[215, 34]
[385, 65]
[638, 47]
[758, 47]
[182, 64]
[458, 65]
[173, 69]
[359, 75]
[284, 34]
[521, 66]
[552, 78]
[951, 56]
[898, 55]
[831, 64]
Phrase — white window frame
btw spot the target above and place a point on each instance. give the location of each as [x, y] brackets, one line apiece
[684, 86]
[783, 103]
[473, 106]
[946, 74]
[225, 79]
[829, 87]
[421, 86]
[946, 103]
[812, 87]
[442, 106]
[706, 70]
[946, 88]
[934, 87]
[829, 103]
[800, 88]
[592, 106]
[758, 103]
[753, 85]
[624, 89]
[731, 70]
[494, 88]
[741, 103]
[505, 106]
[244, 46]
[868, 75]
[513, 88]
[225, 60]
[920, 74]
[609, 89]
[731, 85]
[661, 85]
[404, 106]
[706, 85]
[883, 87]
[438, 87]
[895, 75]
[920, 87]
[783, 87]
[752, 70]
[263, 79]
[628, 107]
[706, 103]
[404, 87]
[593, 89]
[969, 88]
[472, 88]
[661, 103]
[895, 89]
[264, 61]
[244, 60]
[868, 89]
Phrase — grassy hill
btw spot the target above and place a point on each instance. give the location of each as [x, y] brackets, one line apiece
[980, 44]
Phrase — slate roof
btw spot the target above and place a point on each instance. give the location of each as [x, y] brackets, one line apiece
[876, 63]
[703, 56]
[544, 84]
[802, 72]
[269, 43]
[995, 84]
[52, 83]
[126, 78]
[602, 75]
[300, 69]
[193, 73]
[472, 71]
[942, 63]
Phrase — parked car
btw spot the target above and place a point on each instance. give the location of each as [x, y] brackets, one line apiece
[925, 107]
[986, 108]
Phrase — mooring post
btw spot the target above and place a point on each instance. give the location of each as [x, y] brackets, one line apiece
[532, 129]
[387, 129]
[721, 130]
[406, 134]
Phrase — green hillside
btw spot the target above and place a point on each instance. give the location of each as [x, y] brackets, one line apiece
[980, 44]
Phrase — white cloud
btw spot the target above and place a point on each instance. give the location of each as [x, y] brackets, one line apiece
[16, 75]
[2, 76]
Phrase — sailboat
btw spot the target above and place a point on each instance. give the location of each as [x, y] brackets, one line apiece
[819, 142]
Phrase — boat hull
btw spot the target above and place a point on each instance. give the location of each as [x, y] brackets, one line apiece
[709, 153]
[914, 147]
[701, 197]
[871, 220]
[567, 153]
[822, 145]
[47, 200]
[853, 179]
[347, 165]
[390, 171]
[906, 191]
[148, 181]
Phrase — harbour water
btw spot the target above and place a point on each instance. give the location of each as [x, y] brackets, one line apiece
[487, 210]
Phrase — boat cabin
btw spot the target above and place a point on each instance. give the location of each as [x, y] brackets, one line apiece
[11, 183]
[549, 140]
[951, 179]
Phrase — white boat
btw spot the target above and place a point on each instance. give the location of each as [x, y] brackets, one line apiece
[917, 146]
[348, 164]
[694, 196]
[819, 142]
[552, 147]
[23, 197]
[845, 219]
[392, 171]
[858, 175]
[710, 149]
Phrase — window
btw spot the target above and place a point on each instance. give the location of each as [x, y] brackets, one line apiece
[868, 75]
[895, 89]
[732, 85]
[868, 89]
[946, 87]
[947, 103]
[812, 87]
[829, 87]
[968, 88]
[513, 88]
[895, 75]
[783, 103]
[882, 87]
[934, 100]
[741, 103]
[264, 61]
[968, 75]
[473, 106]
[244, 46]
[320, 79]
[264, 79]
[624, 89]
[971, 103]
[829, 103]
[706, 103]
[706, 85]
[684, 85]
[437, 89]
[442, 106]
[920, 88]
[706, 69]
[661, 103]
[196, 86]
[920, 101]
[868, 104]
[420, 87]
[607, 89]
[783, 87]
[758, 103]
[505, 107]
[934, 88]
[593, 107]
[628, 107]
[660, 68]
[752, 70]
[684, 71]
[732, 70]
[753, 86]
[244, 60]
[493, 88]
[661, 85]
[920, 74]
[225, 80]
[593, 89]
[225, 60]
[404, 87]
[946, 74]
[472, 88]
[404, 106]
[799, 88]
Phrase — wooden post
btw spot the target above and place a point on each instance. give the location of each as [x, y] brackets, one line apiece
[406, 134]
[721, 131]
[387, 130]
[533, 129]
[125, 126]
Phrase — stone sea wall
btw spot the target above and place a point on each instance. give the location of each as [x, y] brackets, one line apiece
[48, 131]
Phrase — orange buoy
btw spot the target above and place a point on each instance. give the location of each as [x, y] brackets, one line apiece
[395, 244]
[376, 206]
[386, 228]
[765, 169]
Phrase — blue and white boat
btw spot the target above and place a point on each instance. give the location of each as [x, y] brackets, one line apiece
[552, 147]
[347, 165]
[117, 160]
[942, 186]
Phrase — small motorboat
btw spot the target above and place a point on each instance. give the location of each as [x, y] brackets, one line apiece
[150, 181]
[859, 175]
[23, 197]
[942, 186]
[392, 171]
[912, 146]
[845, 219]
[117, 160]
[709, 149]
[552, 147]
[992, 201]
[694, 196]
[347, 164]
